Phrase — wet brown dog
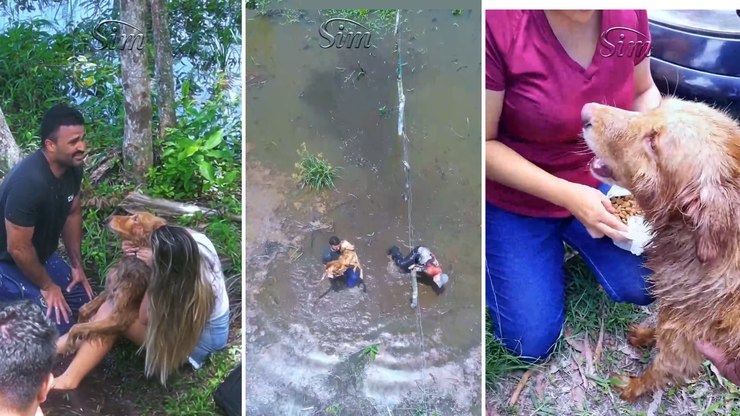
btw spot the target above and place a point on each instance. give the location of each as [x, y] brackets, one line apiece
[125, 284]
[682, 163]
[347, 259]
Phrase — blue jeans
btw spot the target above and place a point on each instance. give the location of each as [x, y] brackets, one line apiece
[352, 277]
[15, 286]
[525, 282]
[214, 337]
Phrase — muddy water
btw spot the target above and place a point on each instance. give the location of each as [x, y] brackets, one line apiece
[303, 351]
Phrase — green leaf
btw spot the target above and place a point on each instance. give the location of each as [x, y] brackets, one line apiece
[191, 150]
[206, 170]
[214, 140]
[220, 154]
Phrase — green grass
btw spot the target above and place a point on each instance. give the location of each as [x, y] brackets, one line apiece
[334, 410]
[586, 303]
[313, 171]
[378, 20]
[370, 351]
[195, 394]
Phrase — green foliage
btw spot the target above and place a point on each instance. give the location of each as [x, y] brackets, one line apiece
[99, 247]
[314, 171]
[206, 33]
[33, 76]
[196, 393]
[39, 69]
[370, 351]
[377, 20]
[201, 157]
[334, 409]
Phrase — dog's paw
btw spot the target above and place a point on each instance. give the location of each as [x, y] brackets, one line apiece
[641, 336]
[629, 388]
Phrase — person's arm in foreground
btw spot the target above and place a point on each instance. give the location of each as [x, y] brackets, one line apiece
[509, 168]
[72, 238]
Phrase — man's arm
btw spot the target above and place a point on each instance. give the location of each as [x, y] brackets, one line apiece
[72, 238]
[72, 233]
[326, 257]
[20, 248]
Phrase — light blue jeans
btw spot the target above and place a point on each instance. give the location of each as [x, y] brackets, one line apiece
[214, 338]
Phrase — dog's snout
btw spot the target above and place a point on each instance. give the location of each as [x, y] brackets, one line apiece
[107, 220]
[586, 115]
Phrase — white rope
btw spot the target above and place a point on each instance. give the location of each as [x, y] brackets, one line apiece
[407, 193]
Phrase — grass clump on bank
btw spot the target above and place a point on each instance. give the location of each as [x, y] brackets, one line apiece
[314, 171]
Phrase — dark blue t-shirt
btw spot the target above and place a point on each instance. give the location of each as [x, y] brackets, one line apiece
[31, 196]
[329, 255]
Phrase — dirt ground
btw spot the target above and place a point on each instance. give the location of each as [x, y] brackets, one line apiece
[575, 381]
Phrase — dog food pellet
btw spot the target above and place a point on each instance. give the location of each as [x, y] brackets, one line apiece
[626, 207]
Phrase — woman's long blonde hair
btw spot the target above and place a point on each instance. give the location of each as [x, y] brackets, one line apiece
[181, 300]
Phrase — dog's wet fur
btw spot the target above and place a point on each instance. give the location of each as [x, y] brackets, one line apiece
[682, 163]
[125, 284]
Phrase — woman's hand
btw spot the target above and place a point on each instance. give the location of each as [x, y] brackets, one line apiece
[142, 253]
[594, 210]
[729, 368]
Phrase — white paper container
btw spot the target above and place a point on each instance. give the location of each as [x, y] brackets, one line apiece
[638, 231]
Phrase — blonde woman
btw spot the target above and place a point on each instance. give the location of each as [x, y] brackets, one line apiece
[183, 317]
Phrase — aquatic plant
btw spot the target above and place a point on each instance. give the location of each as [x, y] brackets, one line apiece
[314, 171]
[370, 351]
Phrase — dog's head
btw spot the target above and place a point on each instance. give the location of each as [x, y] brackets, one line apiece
[346, 245]
[136, 228]
[681, 160]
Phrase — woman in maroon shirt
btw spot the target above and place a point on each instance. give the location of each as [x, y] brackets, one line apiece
[541, 68]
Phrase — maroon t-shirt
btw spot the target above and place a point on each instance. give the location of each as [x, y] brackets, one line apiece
[546, 89]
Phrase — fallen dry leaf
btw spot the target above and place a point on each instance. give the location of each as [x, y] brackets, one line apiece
[599, 343]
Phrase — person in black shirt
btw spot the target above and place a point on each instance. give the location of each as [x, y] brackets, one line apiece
[39, 202]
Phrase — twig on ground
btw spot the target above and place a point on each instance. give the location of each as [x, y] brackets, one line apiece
[600, 342]
[654, 406]
[587, 353]
[518, 391]
[580, 371]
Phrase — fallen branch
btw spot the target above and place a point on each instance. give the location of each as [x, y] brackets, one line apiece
[136, 201]
[520, 387]
[106, 165]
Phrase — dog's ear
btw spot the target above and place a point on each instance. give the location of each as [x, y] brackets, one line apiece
[158, 223]
[710, 212]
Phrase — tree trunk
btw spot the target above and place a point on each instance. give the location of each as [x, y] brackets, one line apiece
[137, 126]
[10, 153]
[163, 66]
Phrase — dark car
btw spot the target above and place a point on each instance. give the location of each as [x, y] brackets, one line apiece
[696, 55]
